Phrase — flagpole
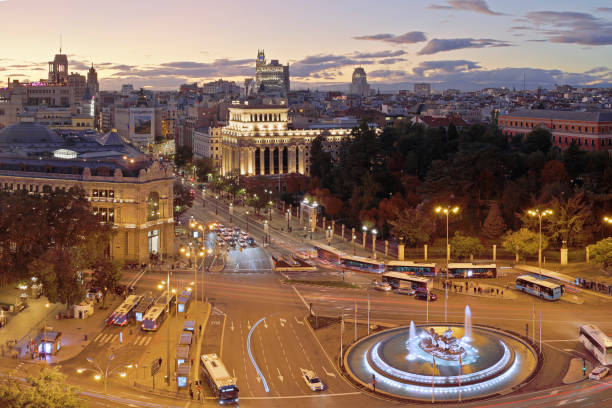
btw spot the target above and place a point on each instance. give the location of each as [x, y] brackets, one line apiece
[355, 323]
[445, 301]
[341, 338]
[460, 372]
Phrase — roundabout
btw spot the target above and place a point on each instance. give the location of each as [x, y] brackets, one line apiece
[442, 362]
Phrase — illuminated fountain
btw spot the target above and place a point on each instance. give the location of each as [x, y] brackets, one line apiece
[421, 362]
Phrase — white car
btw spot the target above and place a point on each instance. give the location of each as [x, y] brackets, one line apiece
[599, 373]
[382, 286]
[312, 381]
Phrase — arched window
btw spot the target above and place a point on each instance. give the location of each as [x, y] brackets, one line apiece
[153, 211]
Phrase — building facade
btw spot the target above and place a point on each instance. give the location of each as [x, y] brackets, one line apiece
[258, 142]
[272, 78]
[422, 89]
[588, 130]
[207, 143]
[125, 189]
[92, 81]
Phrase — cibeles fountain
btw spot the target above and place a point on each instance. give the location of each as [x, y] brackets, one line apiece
[442, 362]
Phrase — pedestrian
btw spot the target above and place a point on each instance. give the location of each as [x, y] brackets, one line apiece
[200, 327]
[502, 293]
[497, 291]
[191, 393]
[198, 395]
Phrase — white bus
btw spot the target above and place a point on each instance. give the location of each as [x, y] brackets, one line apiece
[472, 270]
[412, 268]
[157, 313]
[222, 385]
[402, 280]
[124, 312]
[142, 308]
[597, 343]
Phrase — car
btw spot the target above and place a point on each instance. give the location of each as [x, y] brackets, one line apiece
[251, 241]
[405, 291]
[243, 243]
[382, 286]
[236, 229]
[599, 373]
[312, 381]
[422, 295]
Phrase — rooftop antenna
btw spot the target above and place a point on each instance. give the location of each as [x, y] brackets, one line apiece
[523, 81]
[60, 43]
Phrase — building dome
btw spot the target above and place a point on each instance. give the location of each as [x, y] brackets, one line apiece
[28, 133]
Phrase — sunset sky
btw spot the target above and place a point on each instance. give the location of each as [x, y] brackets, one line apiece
[467, 44]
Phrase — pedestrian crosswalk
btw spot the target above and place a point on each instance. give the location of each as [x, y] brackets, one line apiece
[117, 338]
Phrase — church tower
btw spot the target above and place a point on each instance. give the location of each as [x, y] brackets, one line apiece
[92, 81]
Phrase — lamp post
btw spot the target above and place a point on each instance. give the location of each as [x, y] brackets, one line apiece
[374, 232]
[270, 210]
[363, 234]
[539, 214]
[447, 211]
[247, 221]
[288, 218]
[105, 373]
[216, 205]
[231, 212]
[354, 236]
[607, 220]
[328, 232]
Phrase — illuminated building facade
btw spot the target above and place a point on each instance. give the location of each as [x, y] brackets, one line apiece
[359, 84]
[272, 78]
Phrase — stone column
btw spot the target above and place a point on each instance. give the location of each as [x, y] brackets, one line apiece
[386, 247]
[563, 256]
[291, 162]
[425, 251]
[281, 152]
[588, 256]
[242, 153]
[400, 252]
[301, 159]
[262, 161]
[271, 161]
[250, 161]
[494, 252]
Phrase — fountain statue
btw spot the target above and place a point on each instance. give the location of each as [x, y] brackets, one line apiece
[412, 341]
[467, 333]
[444, 346]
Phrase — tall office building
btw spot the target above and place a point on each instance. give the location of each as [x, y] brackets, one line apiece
[272, 78]
[92, 81]
[422, 89]
[58, 69]
[360, 86]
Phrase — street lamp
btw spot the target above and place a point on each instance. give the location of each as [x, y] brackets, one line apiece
[216, 205]
[363, 234]
[540, 213]
[288, 217]
[447, 211]
[329, 237]
[608, 220]
[354, 236]
[231, 212]
[270, 210]
[247, 221]
[104, 373]
[374, 232]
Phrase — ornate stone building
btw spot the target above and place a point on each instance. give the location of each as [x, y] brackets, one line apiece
[258, 142]
[125, 188]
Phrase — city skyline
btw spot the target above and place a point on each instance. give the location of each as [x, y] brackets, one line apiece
[465, 44]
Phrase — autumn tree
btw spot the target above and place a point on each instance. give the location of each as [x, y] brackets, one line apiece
[106, 276]
[523, 242]
[601, 252]
[494, 225]
[463, 246]
[183, 200]
[414, 225]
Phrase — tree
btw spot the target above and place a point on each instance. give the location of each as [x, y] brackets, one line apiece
[182, 156]
[204, 167]
[553, 172]
[539, 139]
[46, 389]
[320, 162]
[601, 252]
[463, 246]
[414, 225]
[106, 276]
[494, 225]
[183, 199]
[523, 242]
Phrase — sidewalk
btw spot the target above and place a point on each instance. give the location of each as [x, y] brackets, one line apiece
[478, 289]
[575, 373]
[143, 380]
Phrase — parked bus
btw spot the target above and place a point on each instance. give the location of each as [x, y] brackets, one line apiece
[142, 308]
[412, 268]
[597, 343]
[401, 280]
[155, 316]
[470, 270]
[329, 254]
[544, 289]
[184, 300]
[124, 312]
[362, 264]
[222, 385]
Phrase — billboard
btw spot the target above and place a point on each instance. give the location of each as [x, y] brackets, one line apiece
[142, 124]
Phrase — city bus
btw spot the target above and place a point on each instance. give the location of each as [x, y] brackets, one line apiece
[412, 268]
[362, 264]
[539, 287]
[155, 316]
[402, 280]
[597, 343]
[329, 254]
[142, 308]
[184, 300]
[222, 385]
[470, 270]
[124, 312]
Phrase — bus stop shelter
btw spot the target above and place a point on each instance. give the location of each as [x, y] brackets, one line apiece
[182, 375]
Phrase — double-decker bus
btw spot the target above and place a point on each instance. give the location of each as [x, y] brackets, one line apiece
[222, 385]
[412, 268]
[541, 288]
[329, 254]
[362, 264]
[142, 308]
[402, 280]
[157, 313]
[470, 270]
[124, 312]
[597, 342]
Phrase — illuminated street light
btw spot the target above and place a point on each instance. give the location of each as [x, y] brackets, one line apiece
[540, 213]
[374, 232]
[447, 211]
[364, 229]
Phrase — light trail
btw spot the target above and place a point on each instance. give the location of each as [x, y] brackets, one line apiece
[263, 379]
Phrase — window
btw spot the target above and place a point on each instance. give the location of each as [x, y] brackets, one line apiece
[153, 212]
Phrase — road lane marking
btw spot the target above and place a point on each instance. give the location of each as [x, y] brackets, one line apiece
[222, 335]
[297, 321]
[300, 296]
[265, 323]
[98, 336]
[341, 394]
[327, 373]
[282, 322]
[249, 324]
[232, 326]
[280, 376]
